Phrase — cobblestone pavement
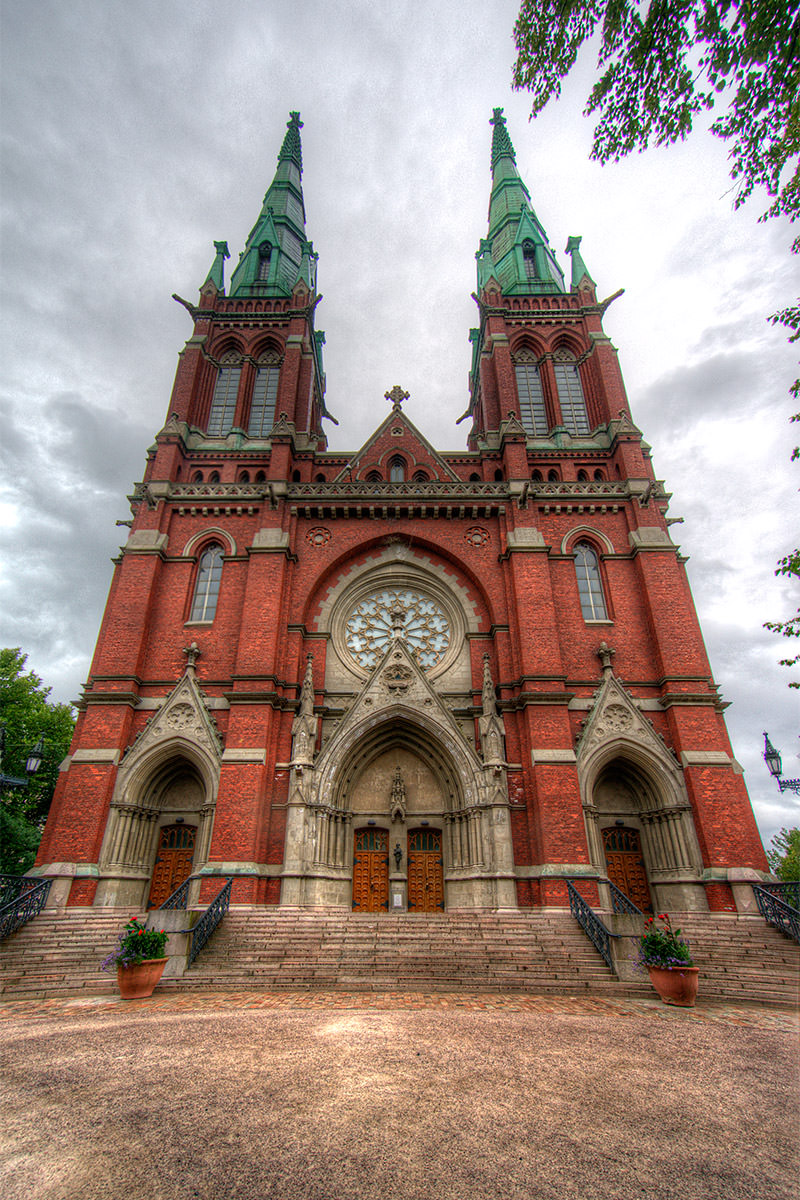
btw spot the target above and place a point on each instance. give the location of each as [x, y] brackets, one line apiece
[784, 1019]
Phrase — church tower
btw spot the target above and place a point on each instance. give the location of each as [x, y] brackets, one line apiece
[401, 679]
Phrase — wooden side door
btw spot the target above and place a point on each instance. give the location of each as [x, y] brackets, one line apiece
[625, 865]
[371, 870]
[173, 861]
[425, 871]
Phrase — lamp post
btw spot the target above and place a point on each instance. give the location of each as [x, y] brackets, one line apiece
[32, 763]
[773, 760]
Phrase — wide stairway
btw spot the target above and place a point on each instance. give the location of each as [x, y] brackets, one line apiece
[59, 954]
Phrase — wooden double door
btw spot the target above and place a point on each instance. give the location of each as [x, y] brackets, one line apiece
[371, 871]
[625, 865]
[173, 861]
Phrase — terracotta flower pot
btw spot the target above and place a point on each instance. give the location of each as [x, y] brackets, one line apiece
[138, 980]
[675, 985]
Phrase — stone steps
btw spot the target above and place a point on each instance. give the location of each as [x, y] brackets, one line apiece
[299, 949]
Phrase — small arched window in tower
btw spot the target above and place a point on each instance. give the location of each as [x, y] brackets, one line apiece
[260, 477]
[498, 476]
[474, 477]
[420, 477]
[537, 477]
[599, 475]
[552, 477]
[397, 470]
[244, 477]
[529, 259]
[197, 477]
[214, 477]
[265, 395]
[590, 586]
[264, 258]
[319, 478]
[295, 476]
[206, 588]
[531, 399]
[583, 477]
[374, 477]
[570, 393]
[223, 402]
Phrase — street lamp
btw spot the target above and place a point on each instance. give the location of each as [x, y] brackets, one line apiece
[32, 763]
[773, 760]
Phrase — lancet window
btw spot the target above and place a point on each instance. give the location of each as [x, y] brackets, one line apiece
[206, 590]
[529, 258]
[570, 393]
[265, 395]
[590, 585]
[226, 388]
[532, 411]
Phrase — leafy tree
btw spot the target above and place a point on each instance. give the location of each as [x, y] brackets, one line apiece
[663, 62]
[784, 855]
[27, 714]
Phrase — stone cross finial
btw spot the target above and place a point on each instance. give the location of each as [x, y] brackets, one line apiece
[192, 654]
[605, 654]
[397, 396]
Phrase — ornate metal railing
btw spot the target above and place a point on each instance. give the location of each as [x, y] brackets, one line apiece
[209, 921]
[590, 923]
[777, 912]
[12, 886]
[27, 903]
[789, 893]
[202, 931]
[621, 903]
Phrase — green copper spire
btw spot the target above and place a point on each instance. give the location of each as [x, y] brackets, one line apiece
[579, 270]
[291, 147]
[217, 273]
[517, 251]
[278, 255]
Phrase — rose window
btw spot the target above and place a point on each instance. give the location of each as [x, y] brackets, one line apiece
[422, 625]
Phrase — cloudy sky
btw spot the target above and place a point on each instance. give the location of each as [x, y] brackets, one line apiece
[136, 133]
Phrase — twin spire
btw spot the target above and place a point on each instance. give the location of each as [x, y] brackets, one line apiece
[278, 256]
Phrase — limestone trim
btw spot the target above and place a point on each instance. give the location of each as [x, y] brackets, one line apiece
[96, 756]
[208, 535]
[617, 737]
[705, 758]
[398, 567]
[579, 531]
[181, 737]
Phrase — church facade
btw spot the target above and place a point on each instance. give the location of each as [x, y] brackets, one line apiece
[397, 679]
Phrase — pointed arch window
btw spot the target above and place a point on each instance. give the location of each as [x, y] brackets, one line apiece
[590, 585]
[223, 402]
[532, 411]
[529, 259]
[397, 470]
[265, 396]
[570, 393]
[206, 588]
[264, 259]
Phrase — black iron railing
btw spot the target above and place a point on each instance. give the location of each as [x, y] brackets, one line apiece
[12, 886]
[203, 929]
[590, 923]
[777, 912]
[209, 921]
[28, 901]
[620, 902]
[789, 893]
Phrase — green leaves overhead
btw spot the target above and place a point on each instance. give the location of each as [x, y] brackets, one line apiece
[664, 62]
